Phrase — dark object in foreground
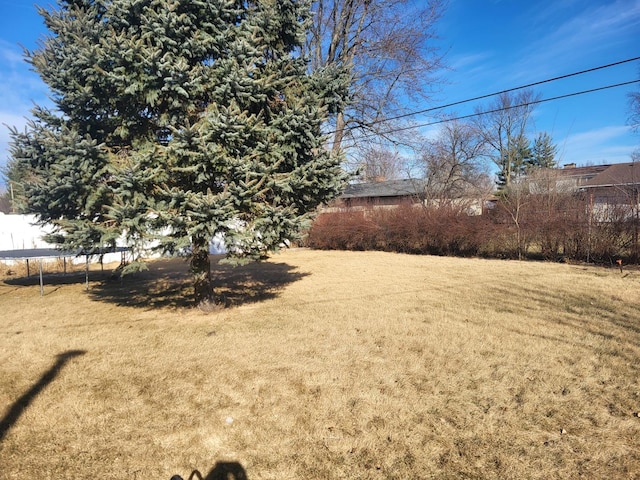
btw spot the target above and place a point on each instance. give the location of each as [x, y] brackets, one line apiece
[221, 471]
[22, 403]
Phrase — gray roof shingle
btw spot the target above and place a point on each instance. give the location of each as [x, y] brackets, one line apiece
[619, 174]
[388, 188]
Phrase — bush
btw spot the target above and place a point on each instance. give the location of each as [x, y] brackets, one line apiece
[350, 230]
[560, 230]
[405, 229]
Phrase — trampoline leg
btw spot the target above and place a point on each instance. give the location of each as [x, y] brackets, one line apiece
[87, 272]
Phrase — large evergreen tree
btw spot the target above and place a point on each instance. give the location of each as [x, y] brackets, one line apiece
[543, 152]
[174, 121]
[516, 158]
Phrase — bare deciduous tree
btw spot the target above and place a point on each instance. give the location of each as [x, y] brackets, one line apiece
[378, 163]
[388, 47]
[634, 110]
[634, 119]
[452, 164]
[552, 211]
[515, 203]
[503, 128]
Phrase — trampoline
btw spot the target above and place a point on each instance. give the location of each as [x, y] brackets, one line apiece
[41, 254]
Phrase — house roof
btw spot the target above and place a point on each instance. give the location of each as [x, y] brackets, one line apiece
[388, 188]
[581, 175]
[619, 174]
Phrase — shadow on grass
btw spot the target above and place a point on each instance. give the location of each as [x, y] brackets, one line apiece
[221, 471]
[21, 404]
[56, 278]
[600, 316]
[167, 283]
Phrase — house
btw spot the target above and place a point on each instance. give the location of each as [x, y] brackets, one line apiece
[612, 192]
[613, 195]
[605, 185]
[610, 183]
[571, 177]
[617, 184]
[391, 193]
[385, 193]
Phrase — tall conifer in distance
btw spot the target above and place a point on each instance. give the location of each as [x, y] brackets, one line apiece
[543, 152]
[516, 157]
[176, 120]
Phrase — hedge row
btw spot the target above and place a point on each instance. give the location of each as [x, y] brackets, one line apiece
[564, 232]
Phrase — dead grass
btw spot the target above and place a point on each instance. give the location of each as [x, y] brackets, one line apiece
[328, 365]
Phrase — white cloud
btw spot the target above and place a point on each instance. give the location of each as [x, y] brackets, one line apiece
[605, 23]
[599, 135]
[430, 132]
[9, 54]
[549, 39]
[611, 144]
[473, 68]
[472, 60]
[595, 27]
[19, 85]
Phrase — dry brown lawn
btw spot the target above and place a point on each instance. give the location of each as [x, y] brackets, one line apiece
[326, 365]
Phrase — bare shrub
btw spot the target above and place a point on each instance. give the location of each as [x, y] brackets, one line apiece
[452, 231]
[442, 230]
[401, 229]
[554, 224]
[610, 235]
[549, 225]
[349, 230]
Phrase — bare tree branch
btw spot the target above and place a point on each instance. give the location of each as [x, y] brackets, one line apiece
[389, 47]
[503, 129]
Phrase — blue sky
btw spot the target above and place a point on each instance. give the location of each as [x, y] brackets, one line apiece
[490, 45]
[495, 45]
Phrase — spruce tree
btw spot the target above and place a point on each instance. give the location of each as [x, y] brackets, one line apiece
[515, 159]
[176, 120]
[543, 152]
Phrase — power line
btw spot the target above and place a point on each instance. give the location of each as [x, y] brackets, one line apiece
[481, 97]
[477, 114]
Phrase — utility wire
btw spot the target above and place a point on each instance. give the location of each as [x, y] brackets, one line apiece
[477, 114]
[481, 97]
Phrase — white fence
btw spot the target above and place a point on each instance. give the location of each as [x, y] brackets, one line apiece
[20, 232]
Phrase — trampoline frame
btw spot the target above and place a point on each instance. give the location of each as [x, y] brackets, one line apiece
[41, 254]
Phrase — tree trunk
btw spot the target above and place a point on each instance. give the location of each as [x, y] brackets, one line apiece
[201, 270]
[339, 133]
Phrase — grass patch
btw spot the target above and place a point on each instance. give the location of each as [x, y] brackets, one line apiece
[327, 365]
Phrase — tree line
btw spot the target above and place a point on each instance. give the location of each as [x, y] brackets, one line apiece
[462, 154]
